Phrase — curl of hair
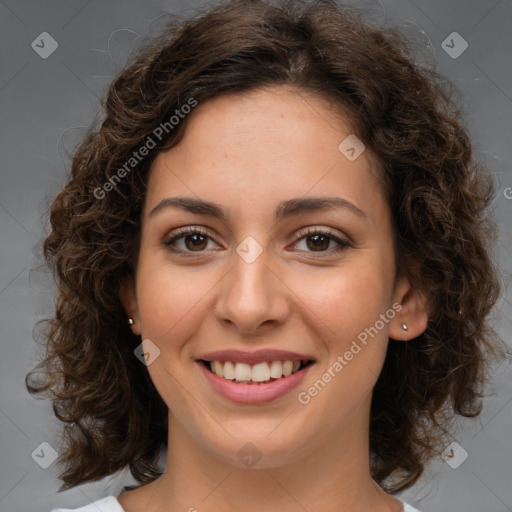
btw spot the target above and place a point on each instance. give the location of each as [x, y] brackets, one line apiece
[437, 192]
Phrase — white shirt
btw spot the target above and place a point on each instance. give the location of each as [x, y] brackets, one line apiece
[110, 504]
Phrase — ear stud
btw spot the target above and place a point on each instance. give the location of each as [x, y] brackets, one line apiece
[404, 327]
[130, 321]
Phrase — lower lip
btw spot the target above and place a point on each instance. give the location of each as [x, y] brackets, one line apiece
[254, 393]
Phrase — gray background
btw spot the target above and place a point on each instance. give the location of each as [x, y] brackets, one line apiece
[46, 104]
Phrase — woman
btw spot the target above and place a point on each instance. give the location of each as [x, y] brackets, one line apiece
[272, 259]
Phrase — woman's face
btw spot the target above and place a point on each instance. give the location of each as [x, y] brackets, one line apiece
[263, 241]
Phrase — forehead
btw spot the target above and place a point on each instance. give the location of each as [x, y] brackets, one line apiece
[265, 146]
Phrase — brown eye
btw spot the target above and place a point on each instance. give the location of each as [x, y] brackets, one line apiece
[196, 242]
[323, 242]
[318, 242]
[189, 240]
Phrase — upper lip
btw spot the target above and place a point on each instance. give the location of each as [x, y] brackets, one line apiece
[258, 356]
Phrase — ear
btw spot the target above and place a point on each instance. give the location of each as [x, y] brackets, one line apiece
[413, 313]
[129, 300]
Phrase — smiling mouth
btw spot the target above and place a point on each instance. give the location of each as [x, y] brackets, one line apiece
[261, 373]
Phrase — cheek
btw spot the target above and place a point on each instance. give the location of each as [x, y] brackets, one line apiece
[346, 301]
[171, 299]
[346, 319]
[172, 303]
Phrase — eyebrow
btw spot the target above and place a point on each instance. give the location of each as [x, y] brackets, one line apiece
[290, 208]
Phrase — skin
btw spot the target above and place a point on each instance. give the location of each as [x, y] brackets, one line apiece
[247, 153]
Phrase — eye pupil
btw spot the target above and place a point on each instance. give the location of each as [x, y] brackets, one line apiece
[195, 241]
[318, 242]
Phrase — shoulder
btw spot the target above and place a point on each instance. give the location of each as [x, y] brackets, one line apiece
[108, 504]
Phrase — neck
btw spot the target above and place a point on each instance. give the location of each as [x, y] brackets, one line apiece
[333, 476]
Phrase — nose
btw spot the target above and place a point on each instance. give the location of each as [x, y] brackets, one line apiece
[252, 298]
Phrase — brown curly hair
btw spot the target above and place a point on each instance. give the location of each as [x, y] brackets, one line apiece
[405, 115]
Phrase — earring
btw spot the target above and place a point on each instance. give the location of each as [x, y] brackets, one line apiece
[130, 321]
[404, 327]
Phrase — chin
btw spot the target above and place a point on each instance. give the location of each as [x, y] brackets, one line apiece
[264, 446]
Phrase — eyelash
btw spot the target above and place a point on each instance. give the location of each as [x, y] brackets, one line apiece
[304, 233]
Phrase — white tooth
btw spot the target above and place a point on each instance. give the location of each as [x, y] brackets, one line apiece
[242, 372]
[287, 368]
[218, 368]
[296, 366]
[276, 369]
[229, 370]
[260, 372]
